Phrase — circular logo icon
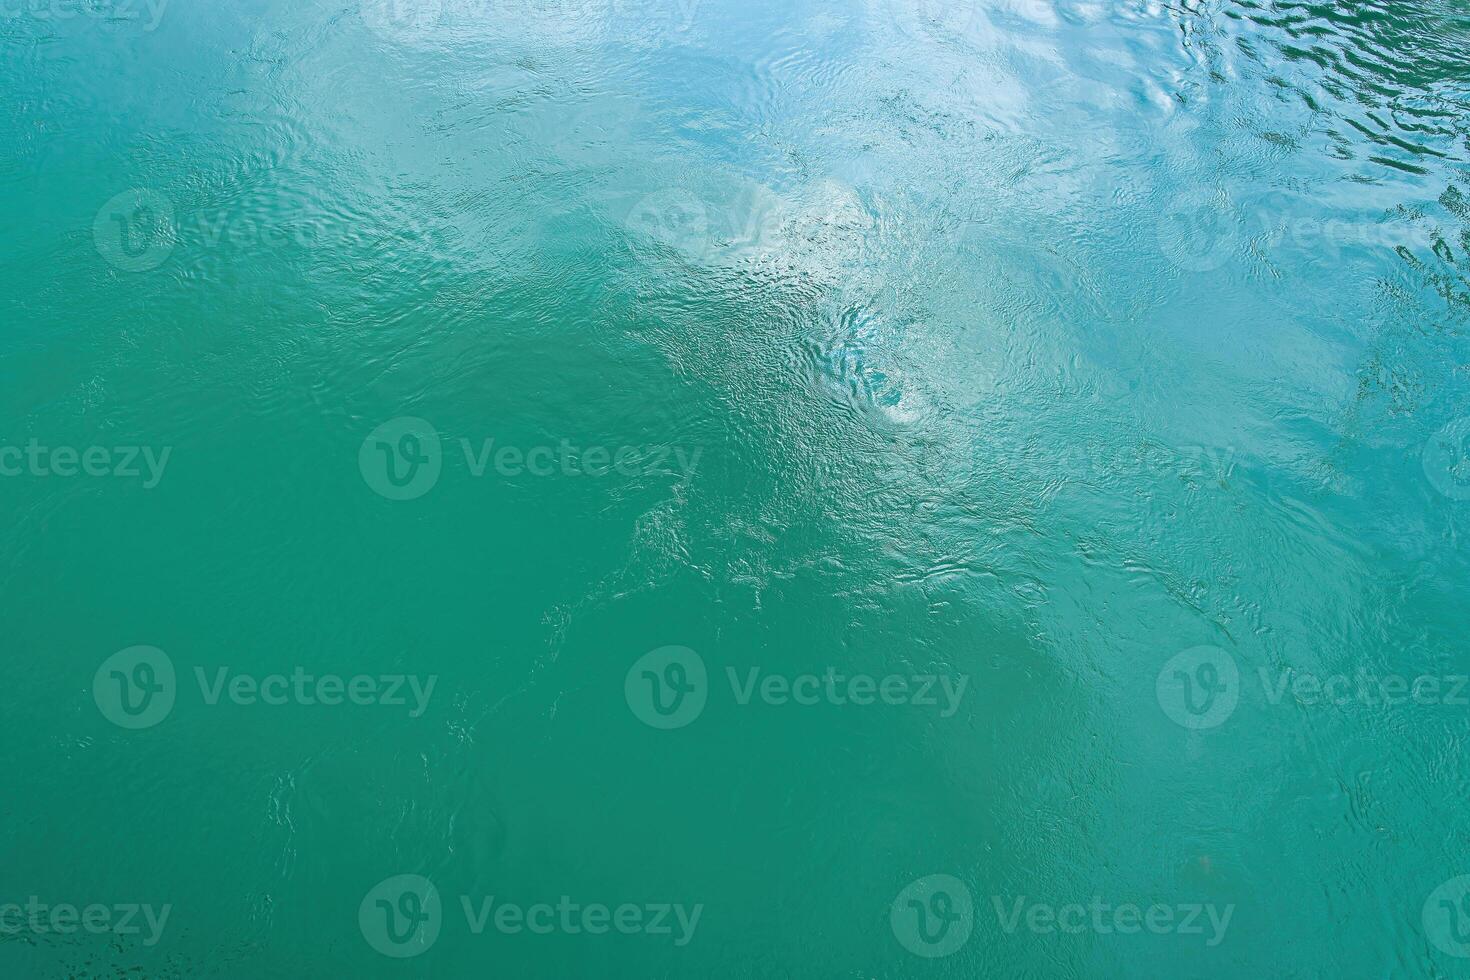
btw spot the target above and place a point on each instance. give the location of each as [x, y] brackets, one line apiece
[1447, 459]
[1196, 233]
[933, 916]
[402, 458]
[667, 688]
[135, 231]
[1446, 917]
[401, 916]
[1199, 688]
[674, 218]
[408, 21]
[930, 20]
[135, 688]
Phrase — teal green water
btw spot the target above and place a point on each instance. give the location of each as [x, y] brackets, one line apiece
[869, 488]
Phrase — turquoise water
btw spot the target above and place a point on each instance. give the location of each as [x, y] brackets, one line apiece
[877, 488]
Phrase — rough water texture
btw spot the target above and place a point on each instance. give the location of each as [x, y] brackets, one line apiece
[1106, 362]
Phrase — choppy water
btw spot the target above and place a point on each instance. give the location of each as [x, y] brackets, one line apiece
[1061, 406]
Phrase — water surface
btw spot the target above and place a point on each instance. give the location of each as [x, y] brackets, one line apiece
[1038, 343]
